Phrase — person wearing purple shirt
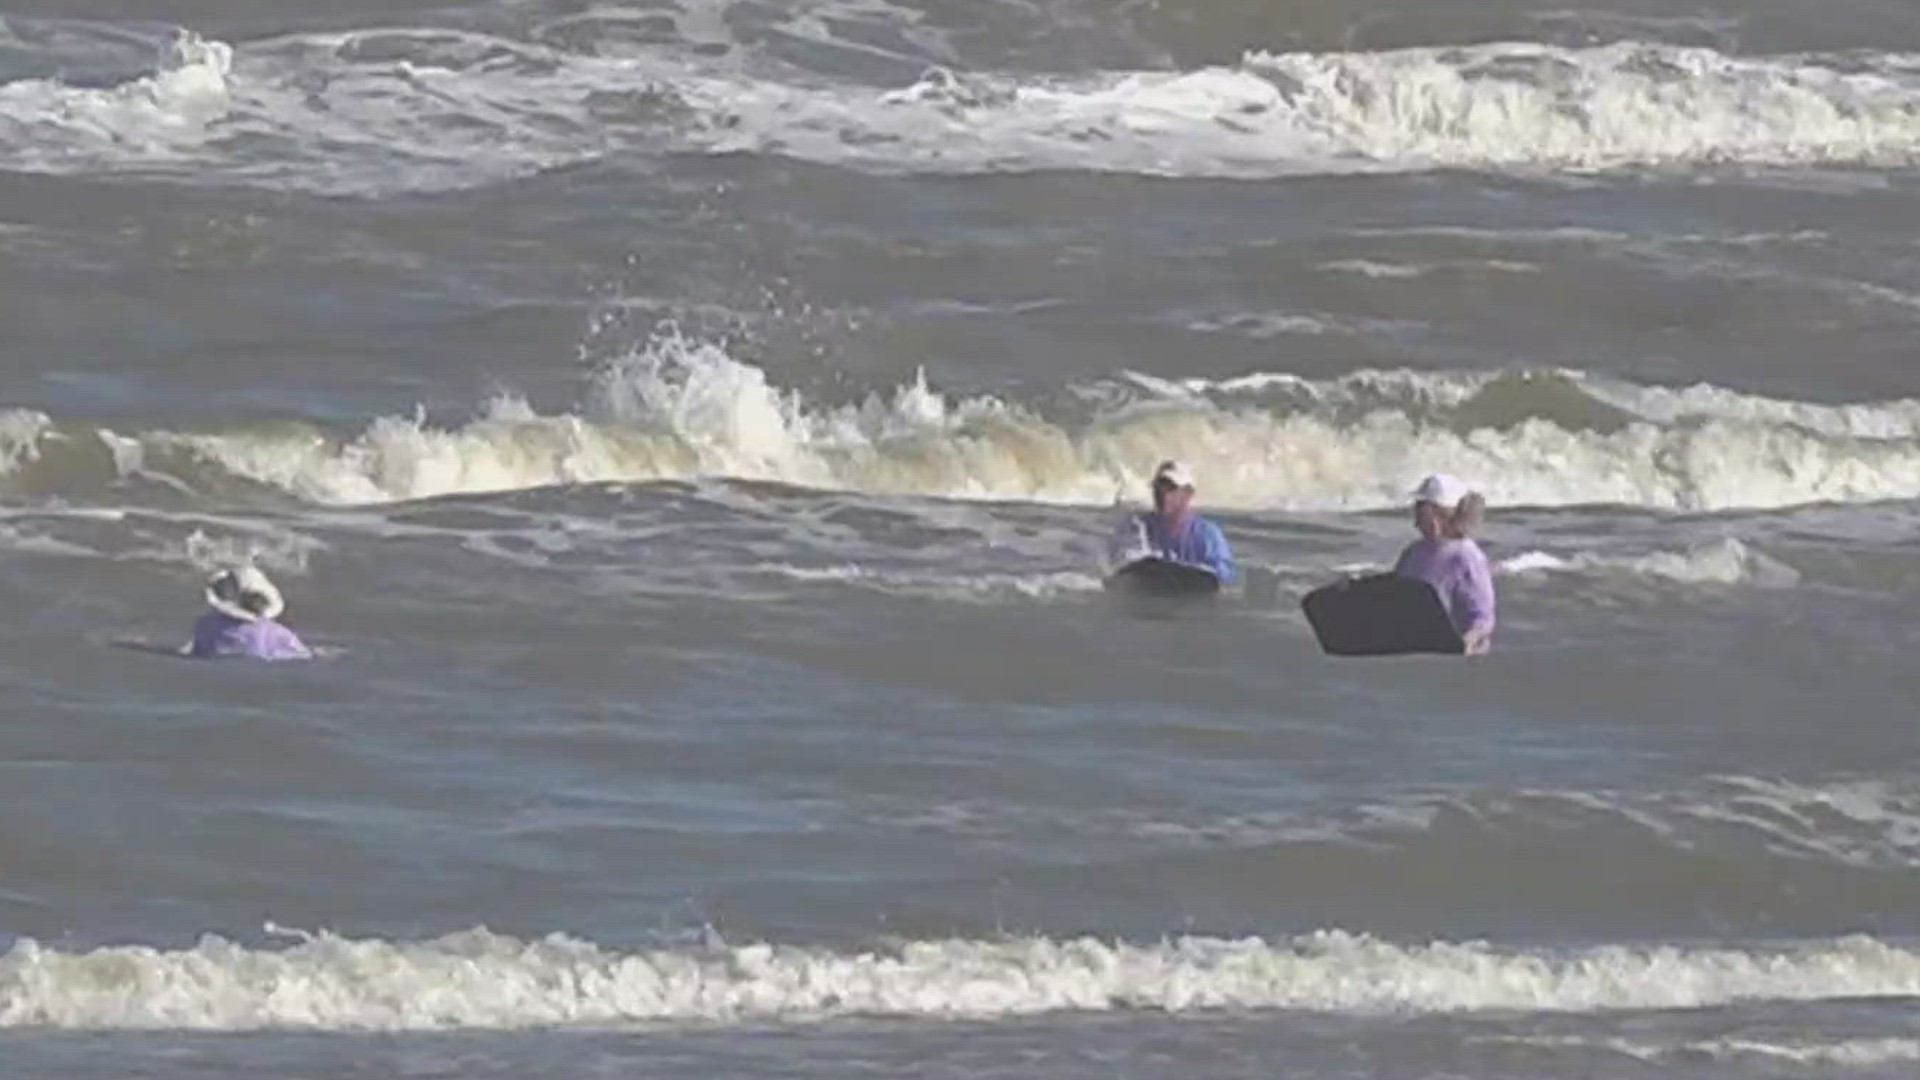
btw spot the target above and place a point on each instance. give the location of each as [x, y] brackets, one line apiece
[244, 621]
[1446, 511]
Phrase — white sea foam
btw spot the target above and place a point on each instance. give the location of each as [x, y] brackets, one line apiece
[400, 109]
[48, 126]
[21, 431]
[482, 980]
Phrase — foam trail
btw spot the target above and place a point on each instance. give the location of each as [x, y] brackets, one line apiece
[983, 588]
[1725, 562]
[1841, 822]
[479, 979]
[1846, 1053]
[1849, 1053]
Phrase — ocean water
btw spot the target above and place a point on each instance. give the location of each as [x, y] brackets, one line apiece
[689, 428]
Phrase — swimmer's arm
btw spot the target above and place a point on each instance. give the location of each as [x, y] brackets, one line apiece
[1475, 600]
[1217, 555]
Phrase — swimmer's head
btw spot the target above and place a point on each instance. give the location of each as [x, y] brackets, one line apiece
[1172, 488]
[1447, 508]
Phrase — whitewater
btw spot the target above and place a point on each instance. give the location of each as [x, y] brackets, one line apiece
[680, 409]
[436, 109]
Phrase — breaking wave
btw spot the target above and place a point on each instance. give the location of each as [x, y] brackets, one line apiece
[479, 979]
[432, 109]
[685, 410]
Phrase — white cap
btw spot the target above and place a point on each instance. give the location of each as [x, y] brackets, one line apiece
[227, 588]
[1174, 473]
[1442, 490]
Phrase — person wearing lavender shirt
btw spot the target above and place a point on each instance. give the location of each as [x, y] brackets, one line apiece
[1447, 511]
[244, 622]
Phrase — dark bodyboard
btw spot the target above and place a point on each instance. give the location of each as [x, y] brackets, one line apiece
[1162, 579]
[1381, 615]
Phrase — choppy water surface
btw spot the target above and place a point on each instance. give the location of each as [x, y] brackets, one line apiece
[689, 429]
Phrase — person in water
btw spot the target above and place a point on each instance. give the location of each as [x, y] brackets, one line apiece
[1172, 531]
[244, 620]
[1447, 511]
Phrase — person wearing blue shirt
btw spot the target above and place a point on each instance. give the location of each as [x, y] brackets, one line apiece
[1172, 531]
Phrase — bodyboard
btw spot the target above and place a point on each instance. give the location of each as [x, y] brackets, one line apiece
[1381, 615]
[1163, 579]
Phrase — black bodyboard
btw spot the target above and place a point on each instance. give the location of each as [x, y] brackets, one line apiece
[1163, 579]
[1381, 615]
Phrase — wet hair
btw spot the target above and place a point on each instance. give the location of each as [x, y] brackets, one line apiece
[1465, 518]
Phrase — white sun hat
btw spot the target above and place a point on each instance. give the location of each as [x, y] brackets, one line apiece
[1174, 473]
[1442, 490]
[228, 589]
